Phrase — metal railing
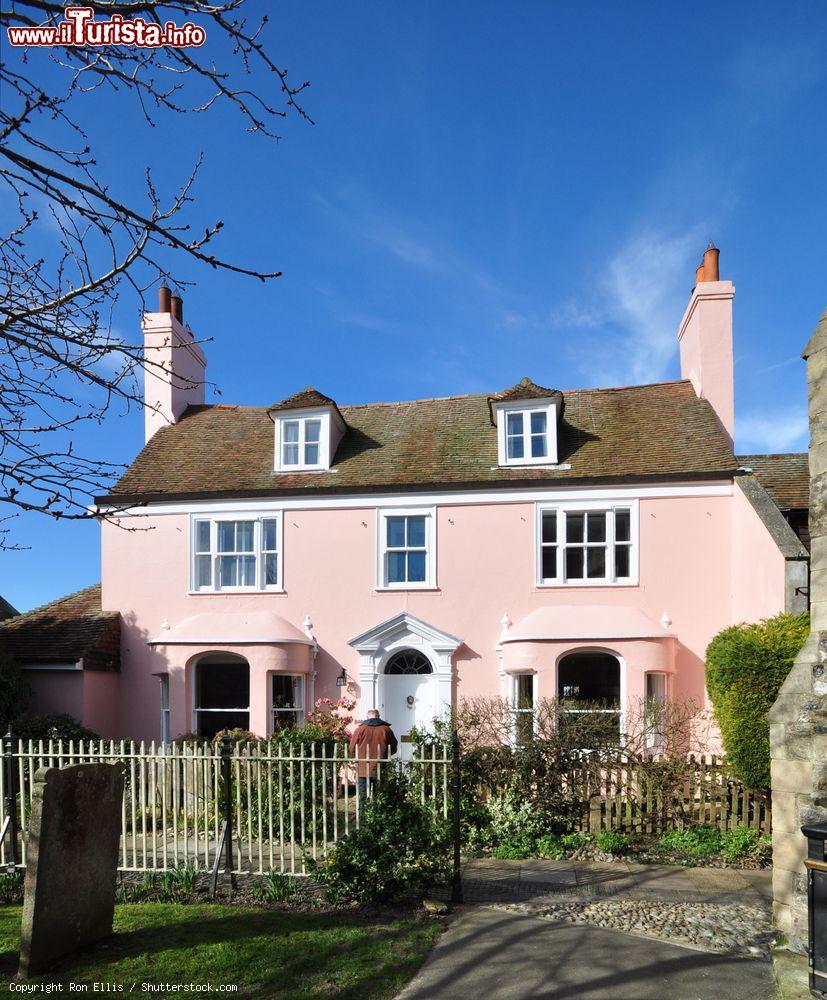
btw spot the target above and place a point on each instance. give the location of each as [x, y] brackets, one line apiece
[272, 805]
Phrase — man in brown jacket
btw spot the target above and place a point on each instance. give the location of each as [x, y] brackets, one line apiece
[374, 741]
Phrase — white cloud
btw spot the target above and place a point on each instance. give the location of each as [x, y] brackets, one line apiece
[638, 303]
[780, 430]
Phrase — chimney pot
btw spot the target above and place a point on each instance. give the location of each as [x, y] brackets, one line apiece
[177, 307]
[163, 298]
[699, 274]
[710, 264]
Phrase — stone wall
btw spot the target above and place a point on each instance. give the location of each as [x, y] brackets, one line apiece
[798, 720]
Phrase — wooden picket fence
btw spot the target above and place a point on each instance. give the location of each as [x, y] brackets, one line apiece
[653, 796]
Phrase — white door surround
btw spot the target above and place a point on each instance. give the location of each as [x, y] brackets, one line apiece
[405, 631]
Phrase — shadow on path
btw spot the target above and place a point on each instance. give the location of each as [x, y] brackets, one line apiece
[490, 954]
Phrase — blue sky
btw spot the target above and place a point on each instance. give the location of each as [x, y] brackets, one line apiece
[490, 191]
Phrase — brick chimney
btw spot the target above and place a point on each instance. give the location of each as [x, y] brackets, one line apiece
[175, 365]
[705, 337]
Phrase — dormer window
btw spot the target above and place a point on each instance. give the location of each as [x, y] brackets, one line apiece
[308, 429]
[526, 435]
[301, 443]
[526, 418]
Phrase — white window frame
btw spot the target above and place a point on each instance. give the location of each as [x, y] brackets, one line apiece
[577, 507]
[514, 710]
[526, 408]
[429, 513]
[258, 552]
[301, 417]
[655, 742]
[300, 713]
[164, 687]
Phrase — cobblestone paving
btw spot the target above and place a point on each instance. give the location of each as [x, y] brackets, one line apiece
[719, 910]
[727, 928]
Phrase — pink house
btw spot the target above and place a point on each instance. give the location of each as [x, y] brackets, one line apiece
[529, 543]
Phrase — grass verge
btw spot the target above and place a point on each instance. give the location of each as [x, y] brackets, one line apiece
[264, 953]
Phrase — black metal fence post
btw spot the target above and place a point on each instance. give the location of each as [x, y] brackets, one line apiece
[10, 784]
[456, 775]
[227, 804]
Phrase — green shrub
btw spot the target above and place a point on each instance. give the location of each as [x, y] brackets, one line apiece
[513, 851]
[14, 691]
[740, 842]
[11, 887]
[697, 841]
[551, 845]
[612, 842]
[745, 668]
[514, 820]
[401, 846]
[275, 887]
[52, 727]
[181, 879]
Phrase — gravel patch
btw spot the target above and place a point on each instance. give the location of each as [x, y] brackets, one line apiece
[727, 928]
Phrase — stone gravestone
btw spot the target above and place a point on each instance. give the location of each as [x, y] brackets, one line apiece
[72, 861]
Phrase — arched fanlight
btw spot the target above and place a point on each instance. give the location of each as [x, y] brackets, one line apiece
[408, 661]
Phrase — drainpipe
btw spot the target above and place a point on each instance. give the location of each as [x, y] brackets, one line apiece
[505, 621]
[314, 649]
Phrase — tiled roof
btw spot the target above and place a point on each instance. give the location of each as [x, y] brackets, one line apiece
[785, 477]
[6, 610]
[641, 432]
[65, 631]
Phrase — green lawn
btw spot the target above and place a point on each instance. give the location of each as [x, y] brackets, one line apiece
[266, 953]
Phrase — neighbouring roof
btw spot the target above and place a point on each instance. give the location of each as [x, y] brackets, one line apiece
[783, 534]
[67, 630]
[6, 610]
[592, 621]
[642, 432]
[785, 477]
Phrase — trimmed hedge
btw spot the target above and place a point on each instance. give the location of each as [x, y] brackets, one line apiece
[745, 668]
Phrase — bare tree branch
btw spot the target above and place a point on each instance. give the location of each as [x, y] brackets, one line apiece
[62, 365]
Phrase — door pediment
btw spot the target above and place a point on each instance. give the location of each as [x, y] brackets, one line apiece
[405, 629]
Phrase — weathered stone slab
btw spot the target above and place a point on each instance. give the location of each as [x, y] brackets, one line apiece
[72, 861]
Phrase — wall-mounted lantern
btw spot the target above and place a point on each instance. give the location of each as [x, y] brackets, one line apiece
[341, 680]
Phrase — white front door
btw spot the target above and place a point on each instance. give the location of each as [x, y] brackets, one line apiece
[407, 701]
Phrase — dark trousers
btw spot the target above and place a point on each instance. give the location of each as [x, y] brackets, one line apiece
[366, 787]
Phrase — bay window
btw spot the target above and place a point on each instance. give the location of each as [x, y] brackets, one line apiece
[164, 679]
[236, 553]
[583, 544]
[523, 707]
[286, 701]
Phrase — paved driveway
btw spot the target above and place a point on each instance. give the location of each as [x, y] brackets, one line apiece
[489, 954]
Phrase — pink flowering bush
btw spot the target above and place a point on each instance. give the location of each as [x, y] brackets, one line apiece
[334, 718]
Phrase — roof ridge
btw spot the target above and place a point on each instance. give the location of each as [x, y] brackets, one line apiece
[774, 454]
[441, 399]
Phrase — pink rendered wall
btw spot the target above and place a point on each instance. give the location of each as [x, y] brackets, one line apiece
[55, 691]
[758, 581]
[101, 709]
[485, 568]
